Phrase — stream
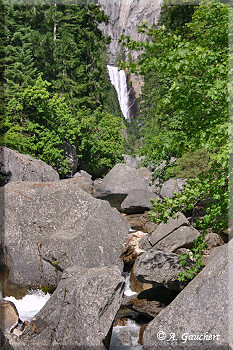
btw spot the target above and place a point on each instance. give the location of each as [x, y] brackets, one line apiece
[123, 337]
[30, 304]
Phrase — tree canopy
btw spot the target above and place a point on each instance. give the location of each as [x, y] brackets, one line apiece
[56, 85]
[184, 105]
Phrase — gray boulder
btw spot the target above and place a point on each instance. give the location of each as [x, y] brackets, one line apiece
[160, 268]
[138, 201]
[48, 227]
[213, 241]
[80, 313]
[183, 237]
[83, 182]
[118, 183]
[4, 342]
[165, 229]
[144, 242]
[203, 309]
[171, 186]
[15, 166]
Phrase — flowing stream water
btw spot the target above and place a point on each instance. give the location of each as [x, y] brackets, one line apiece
[30, 304]
[119, 81]
[123, 337]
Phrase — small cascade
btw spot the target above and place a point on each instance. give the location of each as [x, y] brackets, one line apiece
[119, 81]
[30, 304]
[128, 291]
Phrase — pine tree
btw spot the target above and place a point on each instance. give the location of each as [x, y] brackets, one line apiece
[78, 54]
[2, 69]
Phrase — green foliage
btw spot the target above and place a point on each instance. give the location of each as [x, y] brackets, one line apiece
[133, 142]
[39, 123]
[2, 69]
[184, 109]
[174, 17]
[101, 143]
[111, 103]
[36, 123]
[200, 244]
[56, 84]
[190, 164]
[78, 54]
[182, 101]
[212, 184]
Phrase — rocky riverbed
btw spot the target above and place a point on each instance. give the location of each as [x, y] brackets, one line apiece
[72, 237]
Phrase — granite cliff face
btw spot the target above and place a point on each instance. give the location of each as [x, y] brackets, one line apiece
[125, 16]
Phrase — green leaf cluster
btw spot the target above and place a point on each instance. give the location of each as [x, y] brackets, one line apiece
[39, 123]
[184, 110]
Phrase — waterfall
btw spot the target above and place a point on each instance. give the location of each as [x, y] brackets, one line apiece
[118, 80]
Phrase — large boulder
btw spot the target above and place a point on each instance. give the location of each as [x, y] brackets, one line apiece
[138, 201]
[83, 182]
[157, 267]
[213, 241]
[120, 181]
[15, 166]
[4, 342]
[165, 229]
[48, 227]
[183, 237]
[200, 318]
[80, 312]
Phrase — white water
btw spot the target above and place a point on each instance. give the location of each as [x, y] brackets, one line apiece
[128, 291]
[125, 337]
[132, 230]
[30, 304]
[118, 80]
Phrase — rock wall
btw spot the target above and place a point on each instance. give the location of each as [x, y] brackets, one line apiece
[125, 16]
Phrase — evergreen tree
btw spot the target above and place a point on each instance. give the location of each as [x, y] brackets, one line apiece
[20, 68]
[56, 85]
[2, 69]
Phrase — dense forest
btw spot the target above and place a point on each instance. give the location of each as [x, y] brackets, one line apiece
[57, 92]
[56, 87]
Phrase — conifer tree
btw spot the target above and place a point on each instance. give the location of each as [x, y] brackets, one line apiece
[2, 69]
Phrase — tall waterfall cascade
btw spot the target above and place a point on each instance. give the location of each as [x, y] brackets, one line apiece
[119, 81]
